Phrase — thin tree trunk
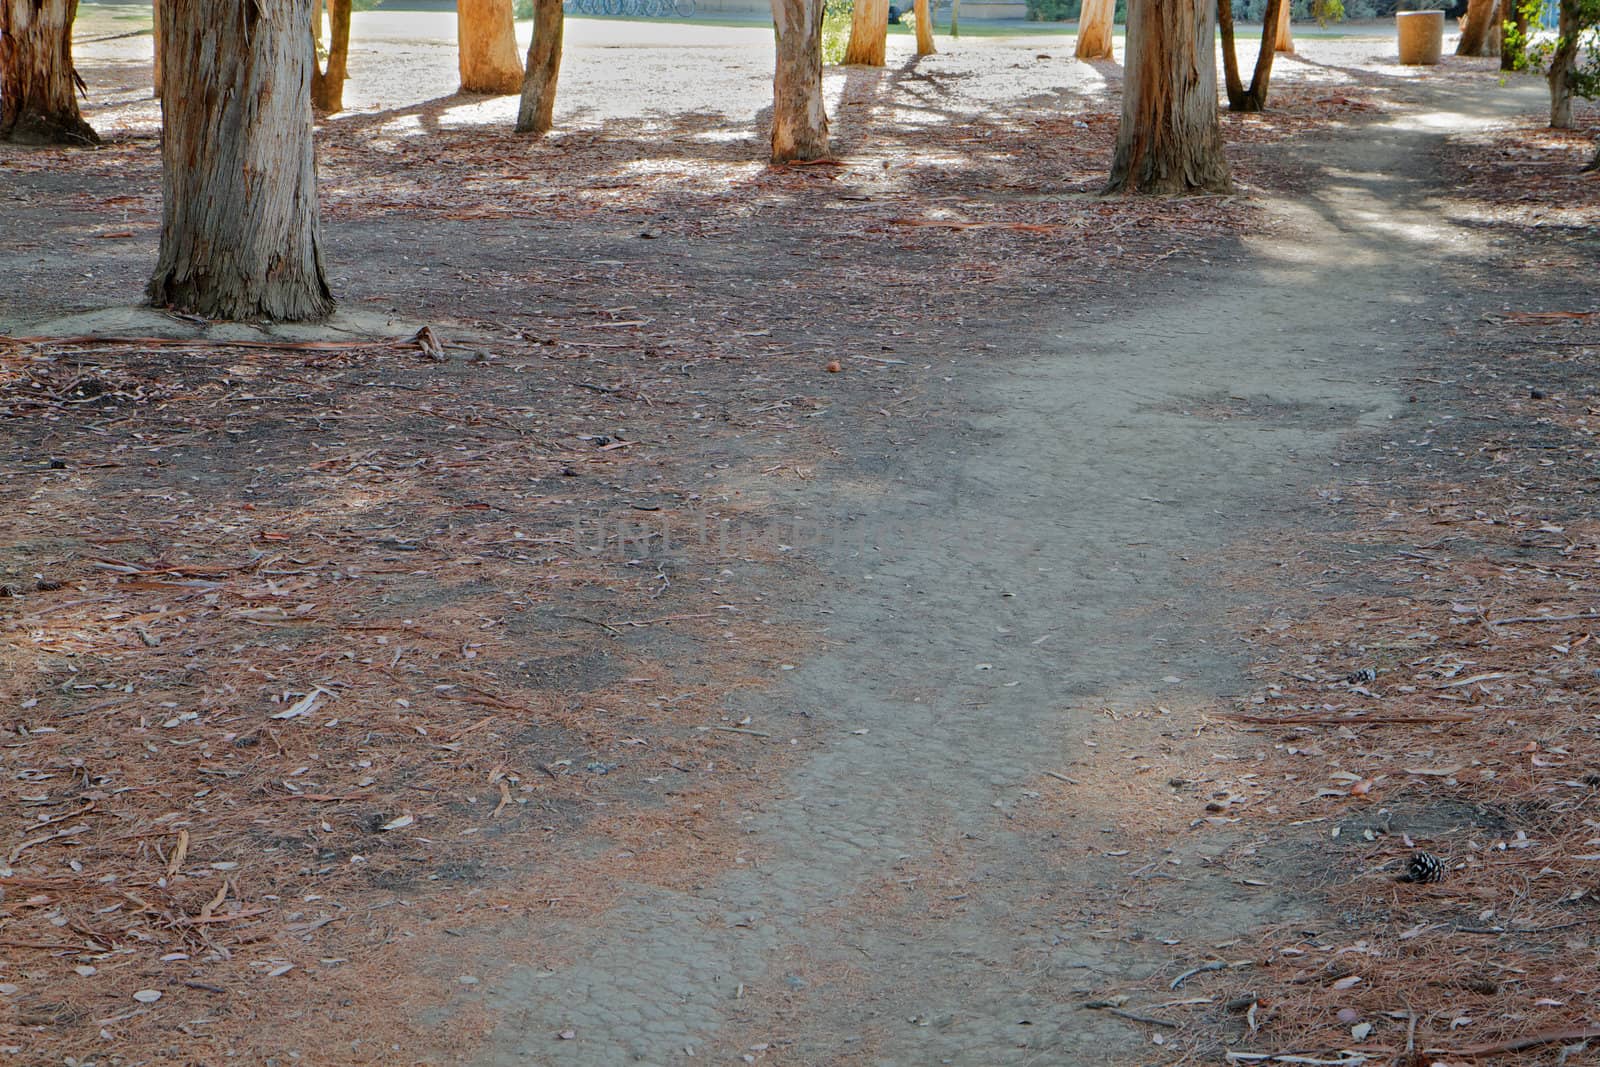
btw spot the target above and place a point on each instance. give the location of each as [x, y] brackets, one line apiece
[1513, 33]
[1492, 39]
[955, 18]
[1283, 41]
[1230, 57]
[1256, 96]
[799, 121]
[1563, 64]
[1095, 29]
[38, 83]
[1475, 28]
[487, 33]
[536, 113]
[239, 225]
[327, 84]
[869, 33]
[1169, 140]
[155, 37]
[924, 19]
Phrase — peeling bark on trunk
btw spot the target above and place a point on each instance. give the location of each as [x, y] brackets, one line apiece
[1475, 28]
[38, 84]
[869, 33]
[327, 83]
[799, 121]
[1169, 140]
[536, 113]
[1284, 41]
[1562, 65]
[1095, 26]
[1255, 97]
[239, 179]
[488, 47]
[924, 19]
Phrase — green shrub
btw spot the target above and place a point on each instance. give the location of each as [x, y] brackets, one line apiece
[835, 29]
[1053, 10]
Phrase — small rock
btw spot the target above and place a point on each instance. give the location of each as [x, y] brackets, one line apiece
[147, 996]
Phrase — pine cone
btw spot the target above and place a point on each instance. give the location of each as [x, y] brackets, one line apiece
[1424, 867]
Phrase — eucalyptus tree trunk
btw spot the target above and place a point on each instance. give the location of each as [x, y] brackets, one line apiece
[1095, 25]
[1475, 28]
[924, 19]
[327, 83]
[869, 33]
[487, 32]
[155, 41]
[1169, 140]
[38, 83]
[536, 113]
[1563, 64]
[1230, 58]
[1283, 35]
[1255, 97]
[799, 120]
[239, 178]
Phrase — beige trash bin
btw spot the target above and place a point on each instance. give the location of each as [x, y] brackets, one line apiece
[1421, 36]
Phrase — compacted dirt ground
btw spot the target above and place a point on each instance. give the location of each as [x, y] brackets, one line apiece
[906, 611]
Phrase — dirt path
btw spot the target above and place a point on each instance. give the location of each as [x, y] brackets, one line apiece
[1035, 556]
[1033, 509]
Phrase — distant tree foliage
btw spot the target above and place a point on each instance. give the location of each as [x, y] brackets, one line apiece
[1321, 11]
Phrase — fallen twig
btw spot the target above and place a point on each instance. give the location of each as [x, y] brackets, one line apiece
[1209, 965]
[1107, 1006]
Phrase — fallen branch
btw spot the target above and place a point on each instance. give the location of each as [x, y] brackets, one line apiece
[736, 730]
[1352, 720]
[1544, 618]
[1549, 1037]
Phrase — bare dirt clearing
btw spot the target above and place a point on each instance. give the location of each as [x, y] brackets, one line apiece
[616, 681]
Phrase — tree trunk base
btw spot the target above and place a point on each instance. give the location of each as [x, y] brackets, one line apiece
[1095, 29]
[239, 231]
[536, 111]
[1169, 140]
[869, 32]
[487, 48]
[36, 129]
[288, 303]
[799, 120]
